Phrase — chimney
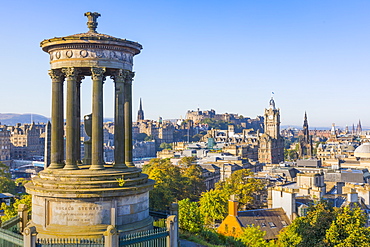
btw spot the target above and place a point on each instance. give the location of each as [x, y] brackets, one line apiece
[352, 196]
[233, 206]
[340, 187]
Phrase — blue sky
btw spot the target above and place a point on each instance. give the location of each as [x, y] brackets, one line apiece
[222, 55]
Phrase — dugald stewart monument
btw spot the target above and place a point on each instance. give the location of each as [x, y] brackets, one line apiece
[83, 198]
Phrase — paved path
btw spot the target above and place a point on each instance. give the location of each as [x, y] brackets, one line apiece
[186, 243]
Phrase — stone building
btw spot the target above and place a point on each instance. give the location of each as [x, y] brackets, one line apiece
[160, 131]
[27, 141]
[5, 144]
[271, 148]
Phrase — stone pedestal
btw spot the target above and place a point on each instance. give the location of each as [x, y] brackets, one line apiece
[83, 203]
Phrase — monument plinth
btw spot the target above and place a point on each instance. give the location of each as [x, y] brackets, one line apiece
[75, 199]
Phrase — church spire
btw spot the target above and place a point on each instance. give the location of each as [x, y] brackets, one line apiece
[140, 113]
[306, 132]
[359, 128]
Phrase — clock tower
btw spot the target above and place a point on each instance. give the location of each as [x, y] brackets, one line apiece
[271, 144]
[272, 120]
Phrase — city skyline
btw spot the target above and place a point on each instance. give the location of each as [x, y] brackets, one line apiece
[229, 56]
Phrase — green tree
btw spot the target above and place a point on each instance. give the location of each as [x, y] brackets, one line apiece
[149, 138]
[168, 186]
[215, 124]
[7, 185]
[213, 206]
[244, 186]
[348, 229]
[165, 145]
[308, 230]
[141, 137]
[190, 218]
[252, 236]
[12, 210]
[193, 181]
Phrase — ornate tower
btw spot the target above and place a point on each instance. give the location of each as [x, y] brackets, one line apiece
[140, 113]
[75, 200]
[271, 144]
[305, 143]
[272, 120]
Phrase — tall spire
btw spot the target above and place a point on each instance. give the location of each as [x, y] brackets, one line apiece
[359, 128]
[140, 113]
[306, 132]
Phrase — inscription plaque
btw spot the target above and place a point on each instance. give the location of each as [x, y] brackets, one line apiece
[77, 213]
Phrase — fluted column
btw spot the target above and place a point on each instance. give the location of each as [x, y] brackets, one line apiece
[57, 120]
[119, 130]
[71, 76]
[97, 162]
[128, 117]
[78, 119]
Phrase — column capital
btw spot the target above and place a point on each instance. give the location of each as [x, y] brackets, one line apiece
[129, 76]
[56, 75]
[98, 73]
[118, 76]
[71, 73]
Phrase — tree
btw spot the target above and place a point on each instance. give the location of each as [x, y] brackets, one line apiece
[168, 185]
[12, 210]
[348, 229]
[149, 138]
[193, 181]
[7, 185]
[244, 186]
[213, 206]
[165, 145]
[308, 230]
[141, 137]
[252, 236]
[190, 218]
[215, 124]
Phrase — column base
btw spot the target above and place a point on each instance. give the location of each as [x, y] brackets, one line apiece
[97, 167]
[119, 165]
[129, 164]
[56, 166]
[71, 167]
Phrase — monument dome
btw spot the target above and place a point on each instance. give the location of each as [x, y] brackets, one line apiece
[363, 151]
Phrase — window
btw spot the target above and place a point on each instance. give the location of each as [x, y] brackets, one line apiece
[284, 223]
[233, 230]
[263, 224]
[272, 225]
[226, 228]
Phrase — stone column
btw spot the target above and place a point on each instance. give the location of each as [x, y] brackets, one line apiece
[57, 127]
[97, 75]
[78, 119]
[119, 130]
[128, 117]
[71, 75]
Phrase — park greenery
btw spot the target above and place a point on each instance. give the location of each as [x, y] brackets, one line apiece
[327, 226]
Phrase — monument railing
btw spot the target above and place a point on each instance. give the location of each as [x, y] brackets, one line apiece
[10, 239]
[12, 224]
[157, 238]
[69, 242]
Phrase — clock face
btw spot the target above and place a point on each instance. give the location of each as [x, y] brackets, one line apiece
[271, 117]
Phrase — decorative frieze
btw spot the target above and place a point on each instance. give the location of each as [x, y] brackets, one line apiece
[92, 54]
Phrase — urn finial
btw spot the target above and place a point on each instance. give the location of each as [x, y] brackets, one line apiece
[92, 24]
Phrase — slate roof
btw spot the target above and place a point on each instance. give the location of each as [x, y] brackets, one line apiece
[270, 220]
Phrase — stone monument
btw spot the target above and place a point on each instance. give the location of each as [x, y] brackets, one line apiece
[71, 198]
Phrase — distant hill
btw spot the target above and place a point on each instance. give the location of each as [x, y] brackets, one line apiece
[14, 118]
